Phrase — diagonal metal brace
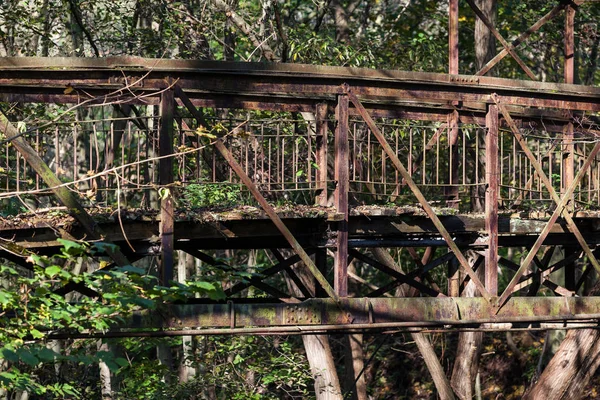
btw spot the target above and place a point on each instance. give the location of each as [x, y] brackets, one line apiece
[276, 220]
[560, 203]
[524, 36]
[417, 192]
[509, 49]
[265, 205]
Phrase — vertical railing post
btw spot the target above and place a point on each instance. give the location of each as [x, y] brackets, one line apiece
[341, 196]
[492, 175]
[167, 108]
[321, 153]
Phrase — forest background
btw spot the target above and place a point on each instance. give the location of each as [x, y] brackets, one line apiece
[385, 34]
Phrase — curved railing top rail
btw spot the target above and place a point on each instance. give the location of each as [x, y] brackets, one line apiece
[40, 75]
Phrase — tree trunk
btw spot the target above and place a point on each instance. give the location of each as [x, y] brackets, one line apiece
[354, 366]
[485, 42]
[423, 344]
[322, 367]
[106, 381]
[572, 367]
[342, 30]
[354, 356]
[318, 351]
[468, 350]
[185, 263]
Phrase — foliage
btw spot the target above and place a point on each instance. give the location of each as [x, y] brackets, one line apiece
[212, 194]
[31, 310]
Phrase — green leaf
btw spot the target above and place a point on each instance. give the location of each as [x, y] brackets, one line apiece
[204, 285]
[113, 366]
[9, 355]
[71, 248]
[46, 355]
[102, 247]
[164, 193]
[36, 334]
[5, 298]
[7, 377]
[52, 271]
[121, 361]
[238, 359]
[28, 358]
[132, 269]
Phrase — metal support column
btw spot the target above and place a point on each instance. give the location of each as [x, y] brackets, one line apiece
[321, 153]
[341, 196]
[492, 175]
[167, 106]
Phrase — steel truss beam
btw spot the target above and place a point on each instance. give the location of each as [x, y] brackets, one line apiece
[464, 264]
[371, 313]
[561, 203]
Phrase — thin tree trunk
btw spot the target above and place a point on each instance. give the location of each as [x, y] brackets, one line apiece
[423, 344]
[571, 368]
[354, 355]
[355, 378]
[186, 372]
[485, 42]
[106, 383]
[318, 351]
[342, 28]
[468, 351]
[322, 367]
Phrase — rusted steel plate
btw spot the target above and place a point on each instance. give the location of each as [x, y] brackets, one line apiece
[413, 311]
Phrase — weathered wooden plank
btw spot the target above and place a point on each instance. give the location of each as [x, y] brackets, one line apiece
[321, 152]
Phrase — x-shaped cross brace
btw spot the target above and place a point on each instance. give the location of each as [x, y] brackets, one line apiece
[560, 203]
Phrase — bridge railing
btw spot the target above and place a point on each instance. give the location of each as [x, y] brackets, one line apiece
[101, 153]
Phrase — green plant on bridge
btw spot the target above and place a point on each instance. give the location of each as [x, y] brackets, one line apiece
[212, 194]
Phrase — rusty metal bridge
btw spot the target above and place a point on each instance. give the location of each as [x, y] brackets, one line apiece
[329, 164]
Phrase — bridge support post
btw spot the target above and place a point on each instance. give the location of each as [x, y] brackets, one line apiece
[340, 270]
[321, 152]
[569, 146]
[167, 105]
[492, 175]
